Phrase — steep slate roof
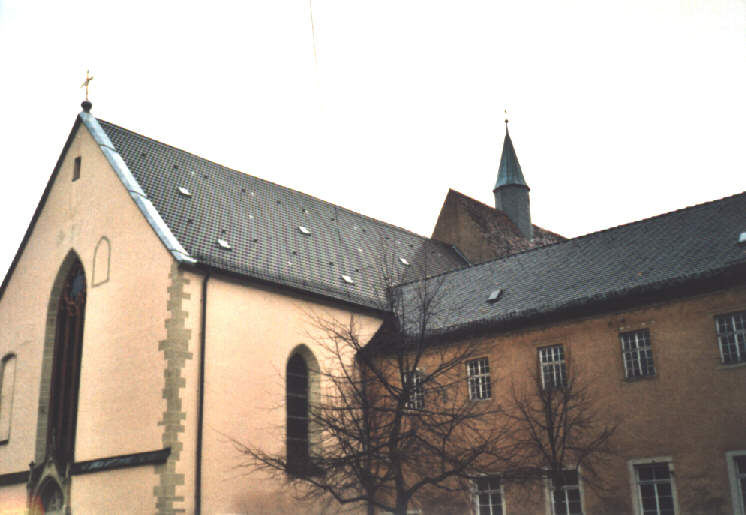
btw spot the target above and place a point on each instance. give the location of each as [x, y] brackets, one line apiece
[665, 251]
[260, 221]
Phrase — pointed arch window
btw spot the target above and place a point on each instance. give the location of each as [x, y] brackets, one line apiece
[298, 456]
[7, 379]
[68, 347]
[101, 261]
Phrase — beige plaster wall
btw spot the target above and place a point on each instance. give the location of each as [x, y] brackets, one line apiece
[251, 332]
[692, 410]
[120, 401]
[115, 491]
[13, 500]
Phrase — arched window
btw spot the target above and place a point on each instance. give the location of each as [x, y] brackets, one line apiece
[7, 379]
[52, 498]
[101, 259]
[298, 456]
[68, 347]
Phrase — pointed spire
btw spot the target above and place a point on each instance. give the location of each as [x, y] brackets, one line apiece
[511, 191]
[510, 169]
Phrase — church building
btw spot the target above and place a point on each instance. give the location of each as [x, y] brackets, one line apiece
[159, 306]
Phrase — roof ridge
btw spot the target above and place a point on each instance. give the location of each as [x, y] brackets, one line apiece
[581, 237]
[278, 185]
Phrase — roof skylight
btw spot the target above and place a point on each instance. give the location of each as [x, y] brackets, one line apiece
[224, 244]
[495, 295]
[404, 261]
[184, 191]
[347, 279]
[304, 230]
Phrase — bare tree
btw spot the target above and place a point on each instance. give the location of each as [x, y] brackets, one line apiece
[394, 419]
[559, 430]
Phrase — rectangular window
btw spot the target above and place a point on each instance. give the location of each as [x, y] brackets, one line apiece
[478, 373]
[489, 500]
[637, 354]
[737, 474]
[731, 331]
[566, 500]
[76, 169]
[655, 489]
[413, 384]
[7, 378]
[552, 367]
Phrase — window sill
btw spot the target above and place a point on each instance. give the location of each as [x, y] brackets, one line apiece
[637, 379]
[732, 365]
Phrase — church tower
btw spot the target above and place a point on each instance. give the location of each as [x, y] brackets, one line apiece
[511, 190]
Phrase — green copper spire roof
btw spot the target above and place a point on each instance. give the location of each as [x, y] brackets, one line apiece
[510, 170]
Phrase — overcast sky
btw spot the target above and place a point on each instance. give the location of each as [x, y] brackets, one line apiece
[619, 110]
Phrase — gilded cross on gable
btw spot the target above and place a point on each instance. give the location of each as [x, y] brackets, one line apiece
[86, 83]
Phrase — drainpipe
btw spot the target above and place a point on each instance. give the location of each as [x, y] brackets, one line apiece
[201, 399]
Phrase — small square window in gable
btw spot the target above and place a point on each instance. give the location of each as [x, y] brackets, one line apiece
[76, 168]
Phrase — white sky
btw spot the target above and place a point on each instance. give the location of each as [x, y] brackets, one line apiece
[619, 110]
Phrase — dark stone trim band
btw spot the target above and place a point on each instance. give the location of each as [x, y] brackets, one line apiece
[14, 478]
[124, 461]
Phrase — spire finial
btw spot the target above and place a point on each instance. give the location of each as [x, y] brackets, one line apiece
[506, 121]
[86, 105]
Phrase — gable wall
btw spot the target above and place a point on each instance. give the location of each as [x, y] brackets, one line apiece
[456, 226]
[120, 401]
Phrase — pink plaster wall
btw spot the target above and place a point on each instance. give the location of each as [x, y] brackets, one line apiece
[13, 500]
[251, 332]
[105, 492]
[120, 399]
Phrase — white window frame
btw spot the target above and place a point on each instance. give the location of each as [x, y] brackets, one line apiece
[549, 495]
[735, 485]
[480, 379]
[476, 491]
[634, 484]
[416, 399]
[557, 362]
[641, 342]
[740, 356]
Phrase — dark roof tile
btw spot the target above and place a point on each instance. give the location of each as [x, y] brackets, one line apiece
[645, 256]
[260, 219]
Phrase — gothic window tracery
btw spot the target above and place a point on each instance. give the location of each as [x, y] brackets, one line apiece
[66, 368]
